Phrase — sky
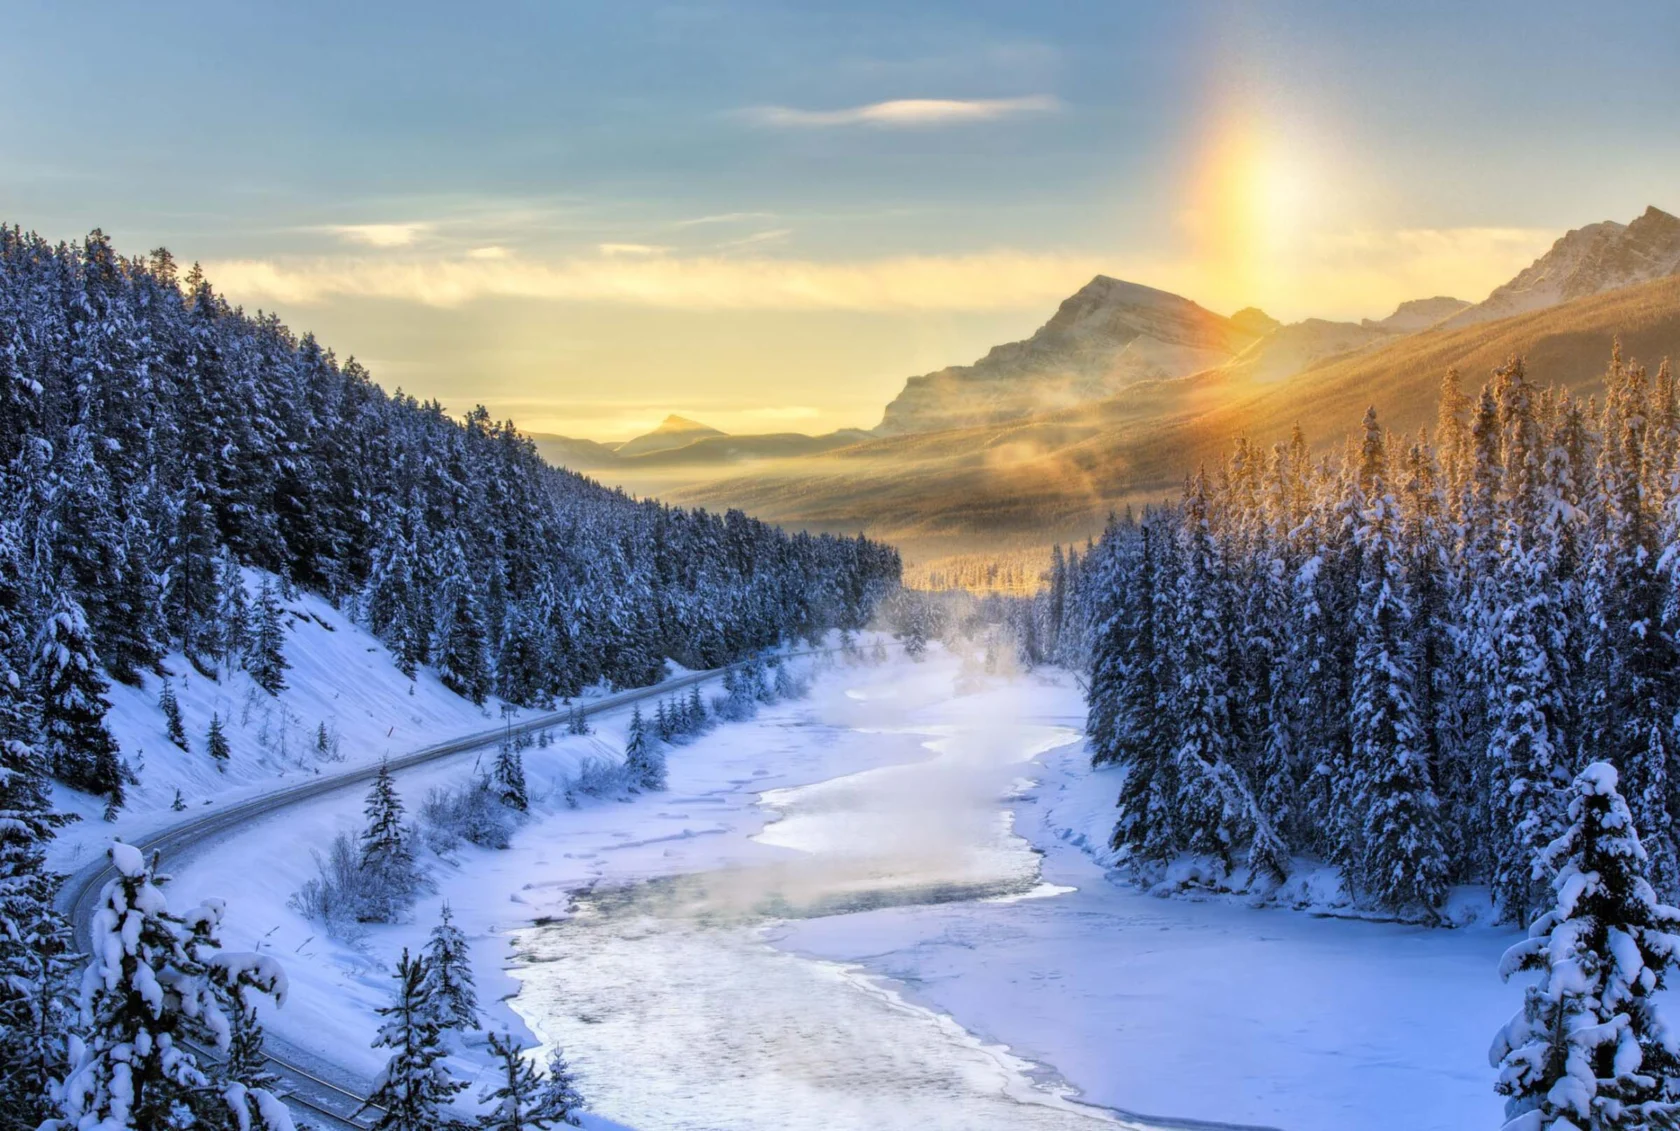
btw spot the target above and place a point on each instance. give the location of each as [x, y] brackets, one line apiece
[767, 216]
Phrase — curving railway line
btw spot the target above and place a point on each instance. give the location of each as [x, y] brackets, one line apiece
[305, 1080]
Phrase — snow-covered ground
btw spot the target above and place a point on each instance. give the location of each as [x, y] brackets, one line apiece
[1207, 1010]
[847, 926]
[341, 677]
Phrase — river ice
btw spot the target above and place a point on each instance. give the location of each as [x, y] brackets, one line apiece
[876, 907]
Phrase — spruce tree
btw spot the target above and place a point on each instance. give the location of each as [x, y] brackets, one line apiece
[695, 716]
[1395, 842]
[216, 743]
[387, 852]
[171, 708]
[514, 1088]
[36, 947]
[448, 985]
[523, 1101]
[509, 777]
[1526, 744]
[644, 760]
[577, 723]
[265, 659]
[464, 665]
[233, 617]
[156, 981]
[414, 1091]
[1127, 724]
[1216, 807]
[71, 693]
[1590, 1049]
[558, 1100]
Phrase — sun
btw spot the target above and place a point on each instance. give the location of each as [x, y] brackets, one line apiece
[1250, 196]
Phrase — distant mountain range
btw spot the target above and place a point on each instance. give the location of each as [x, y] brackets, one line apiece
[1127, 387]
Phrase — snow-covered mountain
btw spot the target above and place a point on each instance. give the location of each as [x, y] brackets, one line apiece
[1109, 335]
[1289, 349]
[1587, 261]
[1418, 314]
[673, 432]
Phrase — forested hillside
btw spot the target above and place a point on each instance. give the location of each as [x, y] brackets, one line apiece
[153, 439]
[1396, 661]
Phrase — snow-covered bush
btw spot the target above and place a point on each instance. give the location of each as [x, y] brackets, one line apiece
[470, 812]
[346, 893]
[335, 897]
[597, 777]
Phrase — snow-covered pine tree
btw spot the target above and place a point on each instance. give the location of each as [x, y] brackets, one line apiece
[464, 665]
[448, 986]
[662, 722]
[36, 948]
[1396, 848]
[1634, 672]
[414, 1091]
[71, 694]
[577, 723]
[523, 1101]
[387, 856]
[1526, 745]
[694, 720]
[644, 758]
[509, 777]
[156, 980]
[216, 743]
[558, 1100]
[1128, 725]
[246, 1064]
[1215, 806]
[265, 659]
[513, 1091]
[786, 687]
[1591, 1050]
[171, 708]
[233, 614]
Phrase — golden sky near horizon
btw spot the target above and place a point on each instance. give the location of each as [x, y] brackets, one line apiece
[766, 217]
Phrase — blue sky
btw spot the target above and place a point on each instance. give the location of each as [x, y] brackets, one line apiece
[768, 215]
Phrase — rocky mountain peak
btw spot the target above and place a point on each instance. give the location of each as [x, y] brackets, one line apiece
[1587, 261]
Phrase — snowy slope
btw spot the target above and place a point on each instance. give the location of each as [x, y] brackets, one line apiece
[340, 676]
[1289, 349]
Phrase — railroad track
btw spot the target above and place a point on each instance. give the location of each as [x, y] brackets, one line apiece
[303, 1077]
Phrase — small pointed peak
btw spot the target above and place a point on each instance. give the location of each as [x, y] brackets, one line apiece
[1654, 217]
[1255, 321]
[675, 423]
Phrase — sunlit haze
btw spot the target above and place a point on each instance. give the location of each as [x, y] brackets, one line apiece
[765, 217]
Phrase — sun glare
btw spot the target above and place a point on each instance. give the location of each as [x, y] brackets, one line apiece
[1250, 196]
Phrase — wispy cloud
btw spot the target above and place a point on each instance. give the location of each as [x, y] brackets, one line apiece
[906, 112]
[380, 235]
[723, 218]
[1335, 274]
[996, 280]
[493, 251]
[757, 239]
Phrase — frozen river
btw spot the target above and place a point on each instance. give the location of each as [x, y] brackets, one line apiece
[672, 983]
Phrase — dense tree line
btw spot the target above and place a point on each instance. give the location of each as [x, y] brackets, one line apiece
[1397, 660]
[155, 444]
[153, 439]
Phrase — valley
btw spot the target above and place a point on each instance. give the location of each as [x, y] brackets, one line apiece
[1127, 389]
